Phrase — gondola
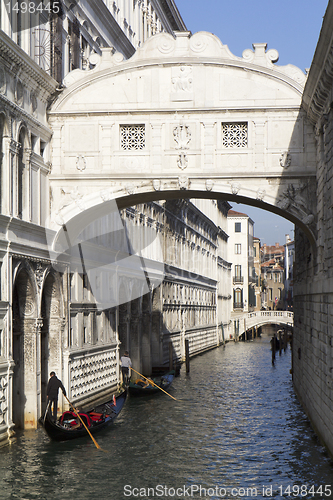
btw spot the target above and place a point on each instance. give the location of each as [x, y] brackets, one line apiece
[144, 388]
[68, 426]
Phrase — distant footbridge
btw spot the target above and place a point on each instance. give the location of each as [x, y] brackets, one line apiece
[260, 318]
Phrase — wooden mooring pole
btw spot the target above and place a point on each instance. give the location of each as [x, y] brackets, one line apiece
[273, 344]
[280, 343]
[187, 355]
[170, 356]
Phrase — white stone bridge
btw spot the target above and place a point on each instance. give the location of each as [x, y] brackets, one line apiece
[185, 118]
[261, 318]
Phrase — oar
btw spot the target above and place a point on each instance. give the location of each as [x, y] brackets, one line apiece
[151, 382]
[92, 437]
[48, 404]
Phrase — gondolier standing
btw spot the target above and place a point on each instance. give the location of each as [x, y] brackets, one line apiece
[52, 394]
[126, 364]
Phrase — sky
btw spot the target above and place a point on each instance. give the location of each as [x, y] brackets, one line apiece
[292, 27]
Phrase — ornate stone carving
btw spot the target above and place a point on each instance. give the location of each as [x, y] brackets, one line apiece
[3, 82]
[39, 273]
[28, 307]
[209, 184]
[81, 163]
[308, 219]
[71, 196]
[19, 93]
[235, 187]
[157, 184]
[183, 81]
[285, 159]
[93, 372]
[182, 136]
[105, 195]
[34, 103]
[94, 59]
[198, 43]
[292, 199]
[130, 188]
[260, 56]
[182, 160]
[166, 44]
[260, 194]
[184, 182]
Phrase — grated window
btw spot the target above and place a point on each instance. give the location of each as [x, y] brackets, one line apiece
[234, 135]
[132, 137]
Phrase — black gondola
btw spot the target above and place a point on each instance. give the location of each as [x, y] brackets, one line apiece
[144, 388]
[68, 426]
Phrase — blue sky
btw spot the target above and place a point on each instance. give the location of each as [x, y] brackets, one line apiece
[292, 27]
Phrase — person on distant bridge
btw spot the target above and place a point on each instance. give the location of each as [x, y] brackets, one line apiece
[126, 364]
[52, 390]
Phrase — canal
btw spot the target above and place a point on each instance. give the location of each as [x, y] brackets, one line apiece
[235, 431]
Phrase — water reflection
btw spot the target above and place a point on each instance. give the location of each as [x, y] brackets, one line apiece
[236, 424]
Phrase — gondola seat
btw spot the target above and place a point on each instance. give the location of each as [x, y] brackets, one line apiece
[73, 418]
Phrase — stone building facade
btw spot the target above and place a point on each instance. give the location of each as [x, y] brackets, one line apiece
[36, 51]
[313, 266]
[241, 254]
[272, 280]
[257, 272]
[143, 279]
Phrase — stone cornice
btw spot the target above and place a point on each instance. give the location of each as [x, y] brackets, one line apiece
[169, 15]
[11, 51]
[320, 79]
[25, 116]
[103, 13]
[201, 49]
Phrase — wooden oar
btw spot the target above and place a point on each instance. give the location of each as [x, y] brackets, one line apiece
[92, 437]
[151, 382]
[48, 404]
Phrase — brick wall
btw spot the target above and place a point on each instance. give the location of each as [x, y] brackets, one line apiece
[313, 301]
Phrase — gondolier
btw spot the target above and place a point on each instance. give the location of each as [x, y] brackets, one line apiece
[52, 391]
[126, 364]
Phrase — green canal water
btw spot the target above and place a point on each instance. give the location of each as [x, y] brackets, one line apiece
[236, 431]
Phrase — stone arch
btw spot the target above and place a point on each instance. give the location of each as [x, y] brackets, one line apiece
[52, 314]
[25, 331]
[74, 218]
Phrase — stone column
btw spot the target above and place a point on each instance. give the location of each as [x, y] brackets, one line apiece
[39, 324]
[135, 351]
[30, 399]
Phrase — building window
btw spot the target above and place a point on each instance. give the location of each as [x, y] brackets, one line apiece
[238, 227]
[277, 278]
[132, 137]
[270, 296]
[238, 248]
[234, 135]
[238, 298]
[238, 278]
